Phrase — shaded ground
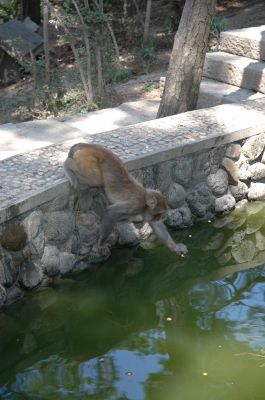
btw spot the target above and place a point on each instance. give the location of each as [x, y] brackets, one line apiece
[234, 15]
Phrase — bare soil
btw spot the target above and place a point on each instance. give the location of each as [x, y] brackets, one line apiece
[145, 85]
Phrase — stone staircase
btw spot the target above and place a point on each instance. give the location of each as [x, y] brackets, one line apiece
[236, 72]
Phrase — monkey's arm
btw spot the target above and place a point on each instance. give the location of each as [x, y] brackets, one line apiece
[161, 232]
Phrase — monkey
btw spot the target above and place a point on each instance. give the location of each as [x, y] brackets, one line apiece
[92, 165]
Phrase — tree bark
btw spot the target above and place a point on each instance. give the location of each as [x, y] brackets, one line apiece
[46, 40]
[147, 21]
[187, 58]
[32, 9]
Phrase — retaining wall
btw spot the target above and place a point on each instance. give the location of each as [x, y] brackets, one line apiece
[204, 162]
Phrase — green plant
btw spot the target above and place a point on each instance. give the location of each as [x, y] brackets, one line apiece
[147, 53]
[218, 25]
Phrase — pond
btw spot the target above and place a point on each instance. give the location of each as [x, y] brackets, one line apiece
[148, 324]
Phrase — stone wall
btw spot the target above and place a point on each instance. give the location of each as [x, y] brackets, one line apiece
[60, 236]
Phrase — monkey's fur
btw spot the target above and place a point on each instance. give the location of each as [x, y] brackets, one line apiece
[92, 165]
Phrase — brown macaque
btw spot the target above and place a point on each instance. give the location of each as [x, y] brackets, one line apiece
[92, 165]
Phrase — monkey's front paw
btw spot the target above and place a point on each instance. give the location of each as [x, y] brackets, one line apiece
[181, 249]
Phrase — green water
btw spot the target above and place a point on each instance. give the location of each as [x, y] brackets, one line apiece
[148, 324]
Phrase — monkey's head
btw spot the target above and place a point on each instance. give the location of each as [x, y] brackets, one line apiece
[156, 205]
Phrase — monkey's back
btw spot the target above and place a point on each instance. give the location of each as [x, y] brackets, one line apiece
[101, 167]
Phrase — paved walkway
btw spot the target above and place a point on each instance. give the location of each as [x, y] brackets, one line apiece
[23, 137]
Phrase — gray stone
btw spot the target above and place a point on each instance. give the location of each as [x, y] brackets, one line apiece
[30, 275]
[67, 262]
[85, 198]
[244, 168]
[34, 227]
[233, 151]
[2, 296]
[8, 272]
[144, 231]
[235, 70]
[213, 93]
[13, 237]
[13, 294]
[239, 191]
[149, 178]
[224, 204]
[164, 178]
[176, 195]
[128, 235]
[256, 191]
[253, 147]
[244, 252]
[60, 202]
[179, 218]
[51, 260]
[59, 226]
[218, 182]
[182, 170]
[257, 171]
[88, 220]
[232, 170]
[246, 42]
[263, 158]
[201, 200]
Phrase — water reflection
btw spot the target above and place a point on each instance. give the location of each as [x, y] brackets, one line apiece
[144, 326]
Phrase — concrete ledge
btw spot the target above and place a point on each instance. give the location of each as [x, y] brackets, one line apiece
[238, 71]
[213, 93]
[31, 179]
[248, 42]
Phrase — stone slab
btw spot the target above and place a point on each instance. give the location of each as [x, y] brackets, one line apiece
[248, 42]
[26, 136]
[235, 70]
[213, 93]
[31, 179]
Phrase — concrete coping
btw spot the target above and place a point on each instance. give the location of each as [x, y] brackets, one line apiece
[31, 179]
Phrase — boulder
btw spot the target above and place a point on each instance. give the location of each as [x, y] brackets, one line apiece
[67, 262]
[257, 171]
[244, 168]
[232, 170]
[256, 191]
[8, 271]
[233, 151]
[201, 200]
[253, 147]
[30, 275]
[34, 225]
[176, 195]
[51, 260]
[59, 226]
[182, 170]
[224, 204]
[2, 296]
[128, 235]
[239, 191]
[14, 237]
[179, 218]
[218, 182]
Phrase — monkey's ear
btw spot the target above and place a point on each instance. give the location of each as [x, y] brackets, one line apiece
[150, 199]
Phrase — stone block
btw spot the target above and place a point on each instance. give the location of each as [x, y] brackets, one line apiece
[176, 195]
[235, 70]
[218, 182]
[246, 42]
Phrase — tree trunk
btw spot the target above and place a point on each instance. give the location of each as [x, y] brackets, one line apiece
[187, 58]
[147, 21]
[31, 8]
[46, 40]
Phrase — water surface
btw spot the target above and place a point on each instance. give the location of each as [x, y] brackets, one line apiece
[148, 324]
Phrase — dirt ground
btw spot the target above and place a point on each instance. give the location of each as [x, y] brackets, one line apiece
[236, 15]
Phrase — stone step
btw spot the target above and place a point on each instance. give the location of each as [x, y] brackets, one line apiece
[213, 93]
[236, 70]
[247, 42]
